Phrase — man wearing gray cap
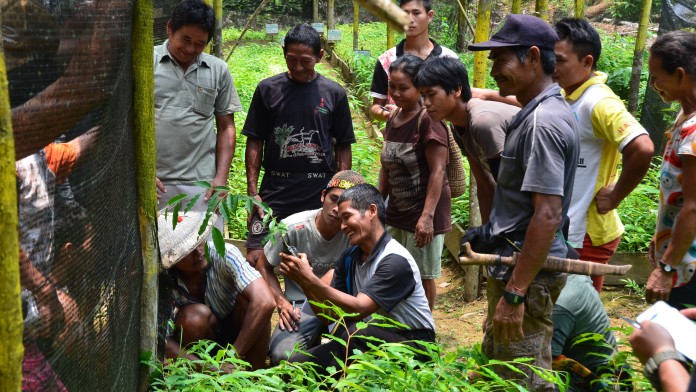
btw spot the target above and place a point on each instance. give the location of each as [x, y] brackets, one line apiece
[532, 195]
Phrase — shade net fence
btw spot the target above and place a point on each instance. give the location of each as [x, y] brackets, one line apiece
[70, 83]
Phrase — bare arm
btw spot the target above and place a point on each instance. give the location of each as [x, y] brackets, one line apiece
[494, 95]
[376, 109]
[636, 157]
[436, 155]
[383, 185]
[344, 157]
[507, 320]
[58, 106]
[485, 189]
[299, 270]
[252, 161]
[288, 318]
[683, 233]
[258, 314]
[224, 150]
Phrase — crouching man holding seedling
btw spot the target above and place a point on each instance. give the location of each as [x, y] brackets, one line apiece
[374, 276]
[317, 233]
[220, 299]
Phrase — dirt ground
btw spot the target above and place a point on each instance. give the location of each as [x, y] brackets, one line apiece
[459, 323]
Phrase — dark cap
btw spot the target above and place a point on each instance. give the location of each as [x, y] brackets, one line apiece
[520, 30]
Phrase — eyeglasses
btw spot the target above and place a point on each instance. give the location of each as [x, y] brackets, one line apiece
[188, 41]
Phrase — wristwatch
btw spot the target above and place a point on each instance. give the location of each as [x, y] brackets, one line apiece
[650, 369]
[513, 298]
[667, 267]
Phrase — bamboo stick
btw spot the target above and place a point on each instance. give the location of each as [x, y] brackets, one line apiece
[11, 327]
[144, 153]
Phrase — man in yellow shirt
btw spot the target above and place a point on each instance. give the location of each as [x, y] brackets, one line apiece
[607, 132]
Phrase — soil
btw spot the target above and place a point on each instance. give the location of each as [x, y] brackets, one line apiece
[460, 324]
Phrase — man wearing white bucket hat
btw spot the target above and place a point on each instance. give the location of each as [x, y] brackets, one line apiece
[224, 300]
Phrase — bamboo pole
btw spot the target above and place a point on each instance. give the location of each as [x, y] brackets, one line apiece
[387, 11]
[144, 151]
[516, 7]
[483, 26]
[579, 8]
[246, 27]
[11, 327]
[542, 9]
[639, 52]
[356, 24]
[217, 36]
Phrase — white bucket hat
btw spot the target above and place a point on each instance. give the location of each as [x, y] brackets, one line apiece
[175, 244]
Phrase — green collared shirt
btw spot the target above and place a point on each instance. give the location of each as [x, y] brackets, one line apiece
[186, 104]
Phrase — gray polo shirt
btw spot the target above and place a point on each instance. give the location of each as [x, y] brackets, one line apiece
[540, 155]
[186, 104]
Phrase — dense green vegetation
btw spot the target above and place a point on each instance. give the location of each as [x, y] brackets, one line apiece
[387, 367]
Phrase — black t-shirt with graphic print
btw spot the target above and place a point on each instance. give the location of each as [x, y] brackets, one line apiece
[299, 124]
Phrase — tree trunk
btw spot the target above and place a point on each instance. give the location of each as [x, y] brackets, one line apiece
[461, 31]
[356, 24]
[217, 35]
[144, 151]
[11, 326]
[638, 54]
[330, 21]
[542, 9]
[516, 7]
[579, 8]
[315, 11]
[390, 37]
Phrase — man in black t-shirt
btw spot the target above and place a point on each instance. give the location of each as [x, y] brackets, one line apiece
[376, 275]
[299, 128]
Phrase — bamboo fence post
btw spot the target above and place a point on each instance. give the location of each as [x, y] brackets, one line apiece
[542, 9]
[356, 24]
[11, 324]
[144, 152]
[483, 26]
[217, 36]
[634, 85]
[579, 8]
[516, 7]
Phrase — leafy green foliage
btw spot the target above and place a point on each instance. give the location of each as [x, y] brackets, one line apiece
[617, 61]
[638, 212]
[630, 10]
[386, 366]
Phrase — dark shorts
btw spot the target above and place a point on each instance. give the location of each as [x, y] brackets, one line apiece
[257, 232]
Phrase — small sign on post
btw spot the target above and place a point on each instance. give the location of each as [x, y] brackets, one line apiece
[271, 28]
[319, 27]
[362, 52]
[333, 35]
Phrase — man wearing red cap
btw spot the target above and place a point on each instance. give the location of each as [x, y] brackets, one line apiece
[532, 196]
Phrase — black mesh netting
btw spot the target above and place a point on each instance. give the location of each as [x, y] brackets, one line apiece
[70, 79]
[675, 15]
